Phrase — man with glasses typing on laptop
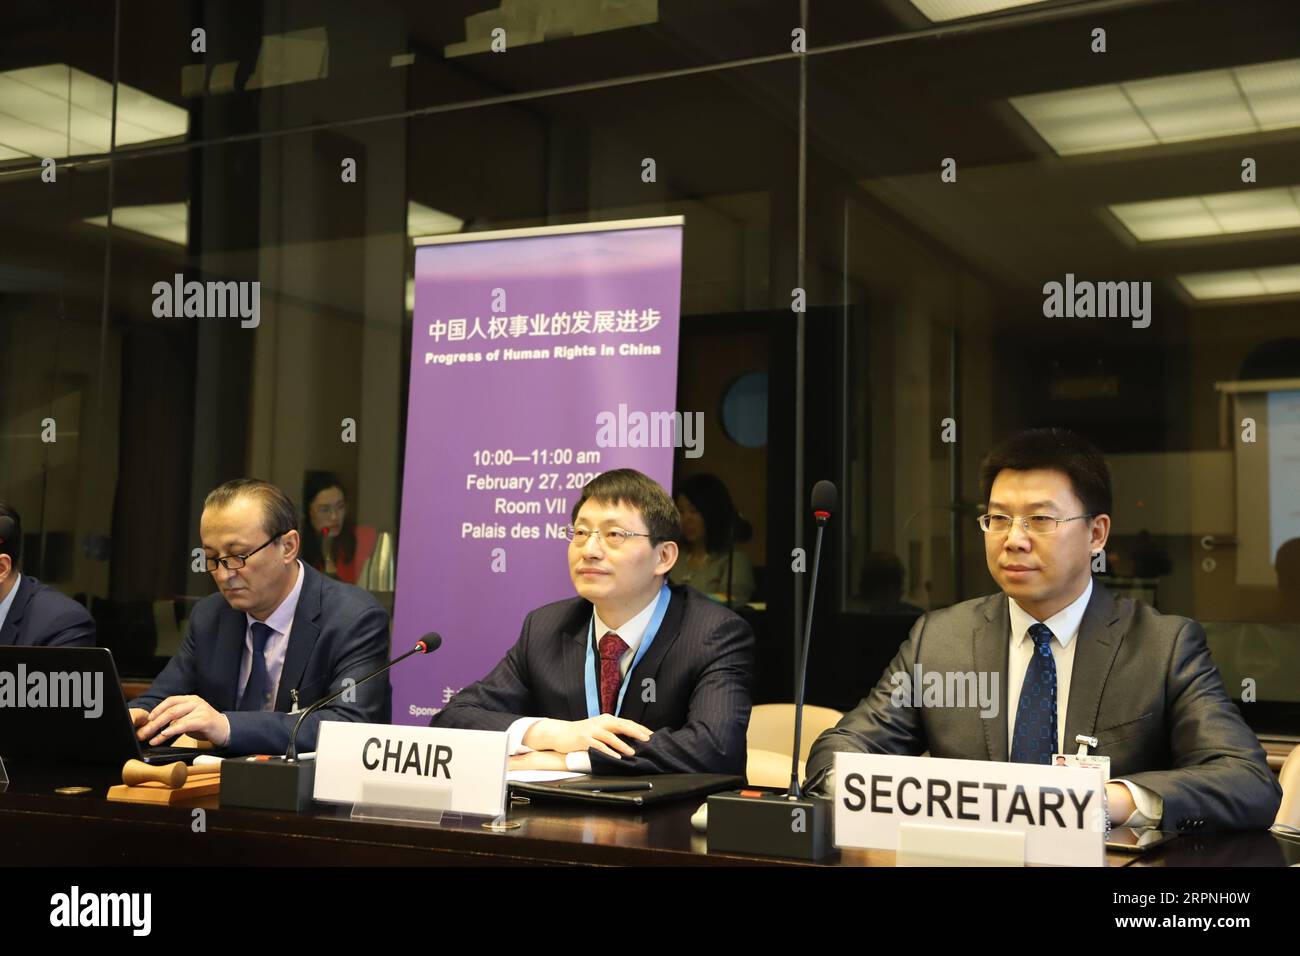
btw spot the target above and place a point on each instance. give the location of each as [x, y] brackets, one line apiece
[632, 676]
[278, 637]
[1074, 659]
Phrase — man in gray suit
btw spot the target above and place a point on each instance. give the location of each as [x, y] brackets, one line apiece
[1073, 659]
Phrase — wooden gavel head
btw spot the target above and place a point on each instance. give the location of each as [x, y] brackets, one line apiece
[136, 772]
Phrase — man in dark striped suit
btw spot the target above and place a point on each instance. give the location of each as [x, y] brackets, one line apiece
[631, 676]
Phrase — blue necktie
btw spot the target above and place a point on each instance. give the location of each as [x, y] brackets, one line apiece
[259, 681]
[1035, 737]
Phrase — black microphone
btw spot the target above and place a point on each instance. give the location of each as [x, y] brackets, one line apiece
[425, 645]
[825, 500]
[763, 822]
[741, 531]
[286, 783]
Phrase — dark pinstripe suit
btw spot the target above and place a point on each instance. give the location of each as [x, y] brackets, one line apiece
[701, 662]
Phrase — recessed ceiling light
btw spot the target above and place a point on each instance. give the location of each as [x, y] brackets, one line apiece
[940, 10]
[1166, 109]
[537, 21]
[1220, 214]
[1242, 283]
[422, 220]
[56, 111]
[166, 221]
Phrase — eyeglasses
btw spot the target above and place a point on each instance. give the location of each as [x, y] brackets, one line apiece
[1033, 524]
[615, 537]
[337, 509]
[233, 562]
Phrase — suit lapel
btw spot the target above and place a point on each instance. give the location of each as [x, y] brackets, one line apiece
[1099, 642]
[634, 704]
[991, 645]
[574, 641]
[9, 634]
[302, 639]
[232, 628]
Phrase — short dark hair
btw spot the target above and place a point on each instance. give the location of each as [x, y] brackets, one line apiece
[627, 486]
[1060, 450]
[11, 532]
[278, 513]
[710, 498]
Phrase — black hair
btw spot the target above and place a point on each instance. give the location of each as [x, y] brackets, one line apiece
[627, 486]
[1060, 450]
[710, 498]
[11, 532]
[313, 549]
[279, 516]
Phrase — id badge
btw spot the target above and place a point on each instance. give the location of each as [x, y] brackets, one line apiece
[1091, 761]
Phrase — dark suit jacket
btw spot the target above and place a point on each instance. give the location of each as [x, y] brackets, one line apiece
[1143, 684]
[339, 631]
[42, 616]
[700, 661]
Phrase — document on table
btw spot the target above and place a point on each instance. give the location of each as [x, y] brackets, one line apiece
[540, 776]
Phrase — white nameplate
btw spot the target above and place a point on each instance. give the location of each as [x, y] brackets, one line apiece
[457, 771]
[1060, 810]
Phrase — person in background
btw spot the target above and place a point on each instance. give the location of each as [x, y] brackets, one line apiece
[710, 561]
[32, 613]
[332, 542]
[882, 585]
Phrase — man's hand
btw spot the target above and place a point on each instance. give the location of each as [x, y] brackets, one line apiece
[1119, 803]
[601, 733]
[537, 760]
[138, 716]
[189, 714]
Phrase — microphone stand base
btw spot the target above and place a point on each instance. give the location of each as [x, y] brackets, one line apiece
[759, 822]
[272, 784]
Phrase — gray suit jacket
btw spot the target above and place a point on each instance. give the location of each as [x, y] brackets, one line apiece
[1143, 684]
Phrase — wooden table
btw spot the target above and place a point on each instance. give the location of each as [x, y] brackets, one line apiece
[40, 827]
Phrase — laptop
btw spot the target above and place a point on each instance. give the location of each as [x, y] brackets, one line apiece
[66, 705]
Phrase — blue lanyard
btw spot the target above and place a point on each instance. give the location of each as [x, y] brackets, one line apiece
[589, 668]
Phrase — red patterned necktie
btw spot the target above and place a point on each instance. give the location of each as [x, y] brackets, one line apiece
[611, 652]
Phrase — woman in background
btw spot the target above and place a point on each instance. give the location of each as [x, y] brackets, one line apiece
[708, 522]
[331, 542]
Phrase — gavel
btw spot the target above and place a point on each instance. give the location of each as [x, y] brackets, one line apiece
[173, 775]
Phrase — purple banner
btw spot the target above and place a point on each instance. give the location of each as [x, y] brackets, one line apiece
[523, 345]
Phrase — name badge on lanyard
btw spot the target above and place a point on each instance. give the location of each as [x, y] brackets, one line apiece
[589, 668]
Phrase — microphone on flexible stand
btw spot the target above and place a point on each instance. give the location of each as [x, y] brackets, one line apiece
[774, 823]
[825, 499]
[425, 645]
[286, 783]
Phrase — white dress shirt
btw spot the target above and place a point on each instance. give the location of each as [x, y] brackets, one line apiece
[632, 632]
[8, 602]
[1064, 625]
[280, 622]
